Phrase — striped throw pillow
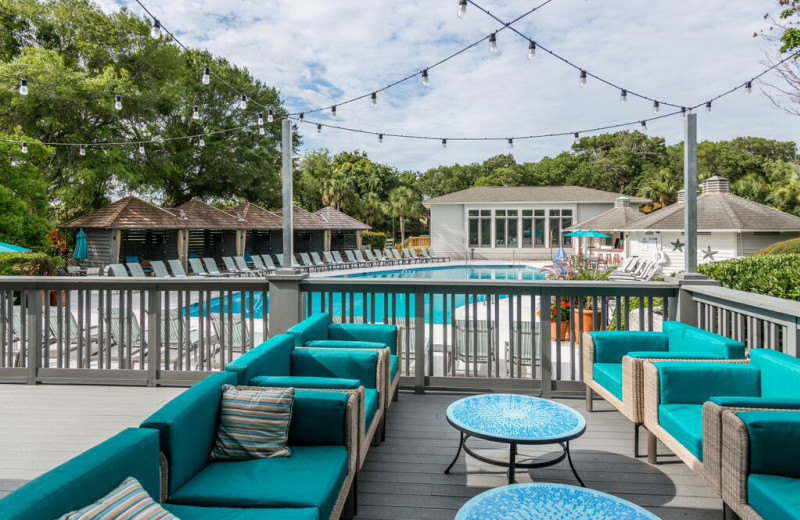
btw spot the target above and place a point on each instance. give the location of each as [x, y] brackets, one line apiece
[128, 501]
[253, 423]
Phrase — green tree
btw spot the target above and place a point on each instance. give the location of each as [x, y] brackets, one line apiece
[404, 204]
[661, 186]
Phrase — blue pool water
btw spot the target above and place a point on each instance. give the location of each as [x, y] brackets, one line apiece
[341, 304]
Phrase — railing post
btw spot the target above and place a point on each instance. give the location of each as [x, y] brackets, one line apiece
[284, 301]
[792, 340]
[547, 344]
[419, 340]
[686, 311]
[35, 340]
[153, 329]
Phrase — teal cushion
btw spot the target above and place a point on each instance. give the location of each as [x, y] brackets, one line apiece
[774, 442]
[224, 513]
[685, 423]
[773, 497]
[318, 419]
[686, 338]
[370, 407]
[348, 364]
[672, 355]
[611, 346]
[780, 373]
[314, 328]
[372, 332]
[695, 383]
[311, 477]
[780, 403]
[325, 383]
[88, 477]
[393, 367]
[335, 343]
[271, 358]
[609, 376]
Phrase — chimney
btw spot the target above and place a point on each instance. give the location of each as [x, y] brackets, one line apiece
[681, 196]
[622, 202]
[716, 184]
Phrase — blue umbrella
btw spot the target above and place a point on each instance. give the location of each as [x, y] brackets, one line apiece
[10, 248]
[560, 255]
[81, 252]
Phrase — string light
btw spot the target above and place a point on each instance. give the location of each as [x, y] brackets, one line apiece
[623, 96]
[141, 148]
[493, 43]
[196, 113]
[444, 143]
[510, 143]
[748, 88]
[24, 148]
[206, 75]
[380, 138]
[260, 119]
[271, 115]
[23, 87]
[333, 111]
[425, 79]
[708, 107]
[155, 29]
[82, 150]
[261, 130]
[683, 112]
[319, 128]
[577, 138]
[302, 117]
[118, 102]
[656, 107]
[374, 98]
[644, 126]
[582, 81]
[201, 142]
[462, 8]
[531, 50]
[243, 102]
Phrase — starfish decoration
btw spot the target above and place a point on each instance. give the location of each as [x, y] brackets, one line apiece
[708, 253]
[677, 245]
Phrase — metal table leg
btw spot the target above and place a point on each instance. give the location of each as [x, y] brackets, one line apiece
[512, 463]
[572, 467]
[461, 441]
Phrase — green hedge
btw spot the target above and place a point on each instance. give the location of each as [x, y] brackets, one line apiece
[787, 247]
[38, 264]
[373, 239]
[773, 275]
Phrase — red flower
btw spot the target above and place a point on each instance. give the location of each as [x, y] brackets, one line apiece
[565, 305]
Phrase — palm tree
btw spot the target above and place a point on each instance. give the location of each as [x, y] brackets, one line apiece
[336, 192]
[662, 187]
[403, 204]
[372, 212]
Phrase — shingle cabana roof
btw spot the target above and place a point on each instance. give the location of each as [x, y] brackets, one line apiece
[307, 221]
[478, 195]
[127, 213]
[257, 217]
[196, 214]
[620, 215]
[335, 219]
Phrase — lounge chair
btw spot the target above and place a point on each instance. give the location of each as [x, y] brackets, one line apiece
[233, 335]
[129, 343]
[211, 267]
[279, 257]
[177, 268]
[135, 260]
[318, 261]
[136, 270]
[179, 341]
[93, 271]
[351, 259]
[306, 262]
[230, 267]
[269, 263]
[118, 270]
[471, 351]
[360, 258]
[259, 265]
[330, 261]
[242, 266]
[398, 257]
[341, 262]
[370, 255]
[409, 257]
[196, 267]
[519, 349]
[440, 258]
[67, 336]
[160, 269]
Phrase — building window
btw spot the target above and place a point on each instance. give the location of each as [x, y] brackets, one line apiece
[560, 219]
[500, 238]
[480, 228]
[512, 228]
[538, 228]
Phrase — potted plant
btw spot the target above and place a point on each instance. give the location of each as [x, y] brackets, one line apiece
[47, 263]
[560, 310]
[589, 312]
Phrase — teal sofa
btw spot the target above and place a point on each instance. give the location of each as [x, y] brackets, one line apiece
[93, 474]
[318, 474]
[684, 402]
[278, 363]
[613, 362]
[317, 331]
[761, 464]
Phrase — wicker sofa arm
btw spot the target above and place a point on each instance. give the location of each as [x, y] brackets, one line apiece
[735, 462]
[588, 358]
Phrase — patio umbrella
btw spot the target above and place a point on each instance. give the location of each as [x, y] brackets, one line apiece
[558, 261]
[10, 248]
[594, 234]
[81, 252]
[576, 234]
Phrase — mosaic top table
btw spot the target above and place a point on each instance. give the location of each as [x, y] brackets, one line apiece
[515, 419]
[549, 502]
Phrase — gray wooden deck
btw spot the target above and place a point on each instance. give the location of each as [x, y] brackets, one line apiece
[42, 426]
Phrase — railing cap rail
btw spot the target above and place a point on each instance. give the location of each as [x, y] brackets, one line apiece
[744, 299]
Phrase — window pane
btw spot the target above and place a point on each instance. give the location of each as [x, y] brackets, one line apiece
[567, 222]
[473, 233]
[527, 212]
[527, 232]
[473, 213]
[539, 213]
[566, 212]
[513, 213]
[500, 232]
[486, 213]
[539, 233]
[554, 213]
[500, 213]
[486, 233]
[555, 232]
[512, 232]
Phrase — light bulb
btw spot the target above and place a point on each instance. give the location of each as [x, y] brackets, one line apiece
[644, 126]
[582, 82]
[196, 113]
[243, 102]
[462, 8]
[656, 107]
[425, 79]
[510, 143]
[271, 115]
[374, 98]
[302, 116]
[201, 142]
[23, 87]
[141, 148]
[748, 88]
[155, 29]
[577, 138]
[333, 111]
[82, 150]
[260, 119]
[319, 128]
[531, 50]
[206, 75]
[380, 138]
[708, 107]
[261, 130]
[118, 102]
[444, 143]
[24, 148]
[493, 42]
[683, 112]
[623, 97]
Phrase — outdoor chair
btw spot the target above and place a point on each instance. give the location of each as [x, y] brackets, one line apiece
[370, 257]
[118, 270]
[230, 267]
[176, 267]
[179, 341]
[613, 362]
[232, 334]
[424, 253]
[761, 464]
[353, 259]
[683, 402]
[129, 346]
[242, 266]
[211, 267]
[474, 349]
[67, 337]
[317, 261]
[306, 263]
[346, 319]
[409, 257]
[73, 270]
[278, 363]
[93, 271]
[196, 267]
[160, 269]
[519, 347]
[651, 273]
[259, 265]
[269, 263]
[279, 257]
[441, 258]
[361, 260]
[136, 270]
[331, 261]
[340, 261]
[398, 257]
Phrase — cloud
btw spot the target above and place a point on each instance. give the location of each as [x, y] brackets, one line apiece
[319, 53]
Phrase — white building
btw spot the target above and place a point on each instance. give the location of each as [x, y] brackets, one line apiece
[727, 227]
[505, 223]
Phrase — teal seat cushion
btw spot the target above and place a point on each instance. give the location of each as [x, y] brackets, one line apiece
[370, 406]
[685, 423]
[324, 383]
[224, 513]
[393, 367]
[774, 497]
[609, 376]
[335, 343]
[673, 355]
[311, 477]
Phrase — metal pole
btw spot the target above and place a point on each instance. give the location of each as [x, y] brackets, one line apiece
[288, 213]
[690, 185]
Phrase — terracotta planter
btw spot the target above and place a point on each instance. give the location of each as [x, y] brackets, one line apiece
[554, 332]
[588, 322]
[52, 296]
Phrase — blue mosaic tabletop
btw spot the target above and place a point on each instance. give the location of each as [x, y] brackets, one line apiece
[518, 418]
[549, 502]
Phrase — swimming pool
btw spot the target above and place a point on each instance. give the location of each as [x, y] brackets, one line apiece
[340, 305]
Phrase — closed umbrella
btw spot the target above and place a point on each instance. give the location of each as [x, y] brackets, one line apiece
[10, 248]
[81, 252]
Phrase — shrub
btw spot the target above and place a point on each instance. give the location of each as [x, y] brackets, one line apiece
[782, 248]
[29, 264]
[373, 239]
[772, 275]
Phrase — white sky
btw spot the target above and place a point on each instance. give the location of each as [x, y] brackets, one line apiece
[319, 52]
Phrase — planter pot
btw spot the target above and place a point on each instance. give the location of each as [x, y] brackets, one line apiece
[52, 296]
[588, 322]
[559, 334]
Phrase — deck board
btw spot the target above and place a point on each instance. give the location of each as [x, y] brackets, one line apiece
[402, 479]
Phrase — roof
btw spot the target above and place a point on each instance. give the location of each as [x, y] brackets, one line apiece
[196, 214]
[127, 213]
[529, 194]
[302, 219]
[610, 220]
[257, 217]
[335, 219]
[719, 211]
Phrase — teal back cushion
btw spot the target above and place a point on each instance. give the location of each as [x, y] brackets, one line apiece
[313, 328]
[271, 358]
[88, 477]
[188, 427]
[314, 416]
[774, 442]
[780, 373]
[612, 346]
[695, 383]
[685, 338]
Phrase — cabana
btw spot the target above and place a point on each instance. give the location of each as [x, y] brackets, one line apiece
[211, 231]
[343, 231]
[309, 231]
[264, 233]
